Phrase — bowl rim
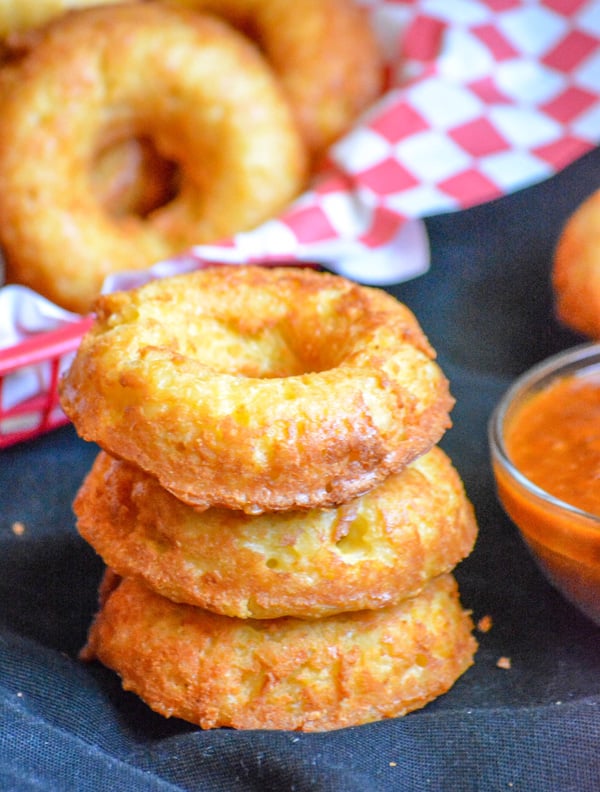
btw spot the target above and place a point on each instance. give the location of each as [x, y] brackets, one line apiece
[545, 371]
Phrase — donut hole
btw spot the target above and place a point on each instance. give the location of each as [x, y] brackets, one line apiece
[265, 354]
[266, 341]
[130, 176]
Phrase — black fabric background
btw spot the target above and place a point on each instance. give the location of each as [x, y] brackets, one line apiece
[486, 305]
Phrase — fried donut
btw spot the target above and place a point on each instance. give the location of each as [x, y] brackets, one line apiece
[127, 176]
[198, 89]
[331, 673]
[21, 15]
[576, 269]
[324, 52]
[369, 553]
[256, 388]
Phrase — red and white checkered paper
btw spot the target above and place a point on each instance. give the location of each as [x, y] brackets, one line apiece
[485, 97]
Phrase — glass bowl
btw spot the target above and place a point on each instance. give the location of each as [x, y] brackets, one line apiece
[563, 539]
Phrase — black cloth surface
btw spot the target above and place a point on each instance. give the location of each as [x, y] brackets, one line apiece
[486, 305]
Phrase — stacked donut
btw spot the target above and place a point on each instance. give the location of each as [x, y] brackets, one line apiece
[132, 131]
[278, 522]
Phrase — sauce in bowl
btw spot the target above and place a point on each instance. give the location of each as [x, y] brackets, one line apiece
[554, 440]
[545, 442]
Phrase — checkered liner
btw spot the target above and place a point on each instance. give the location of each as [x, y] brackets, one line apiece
[484, 98]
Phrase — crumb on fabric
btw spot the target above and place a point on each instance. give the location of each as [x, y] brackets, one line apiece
[18, 528]
[504, 662]
[485, 624]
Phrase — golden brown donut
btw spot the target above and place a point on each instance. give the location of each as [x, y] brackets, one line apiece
[127, 176]
[576, 269]
[369, 553]
[291, 674]
[324, 52]
[198, 89]
[21, 15]
[258, 388]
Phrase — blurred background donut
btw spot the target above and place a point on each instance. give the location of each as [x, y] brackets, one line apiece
[17, 16]
[128, 176]
[192, 85]
[576, 269]
[323, 51]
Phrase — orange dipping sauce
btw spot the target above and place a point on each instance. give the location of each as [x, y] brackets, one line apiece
[554, 440]
[545, 441]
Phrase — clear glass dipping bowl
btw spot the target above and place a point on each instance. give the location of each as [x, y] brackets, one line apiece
[564, 540]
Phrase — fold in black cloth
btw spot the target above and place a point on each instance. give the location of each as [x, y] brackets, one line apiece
[486, 305]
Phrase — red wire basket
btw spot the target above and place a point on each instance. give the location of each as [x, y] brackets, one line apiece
[43, 356]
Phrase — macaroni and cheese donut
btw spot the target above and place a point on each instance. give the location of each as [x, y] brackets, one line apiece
[369, 553]
[198, 89]
[292, 674]
[258, 388]
[576, 269]
[17, 16]
[324, 52]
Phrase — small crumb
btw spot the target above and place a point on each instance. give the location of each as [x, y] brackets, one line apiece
[504, 662]
[485, 624]
[393, 764]
[18, 528]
